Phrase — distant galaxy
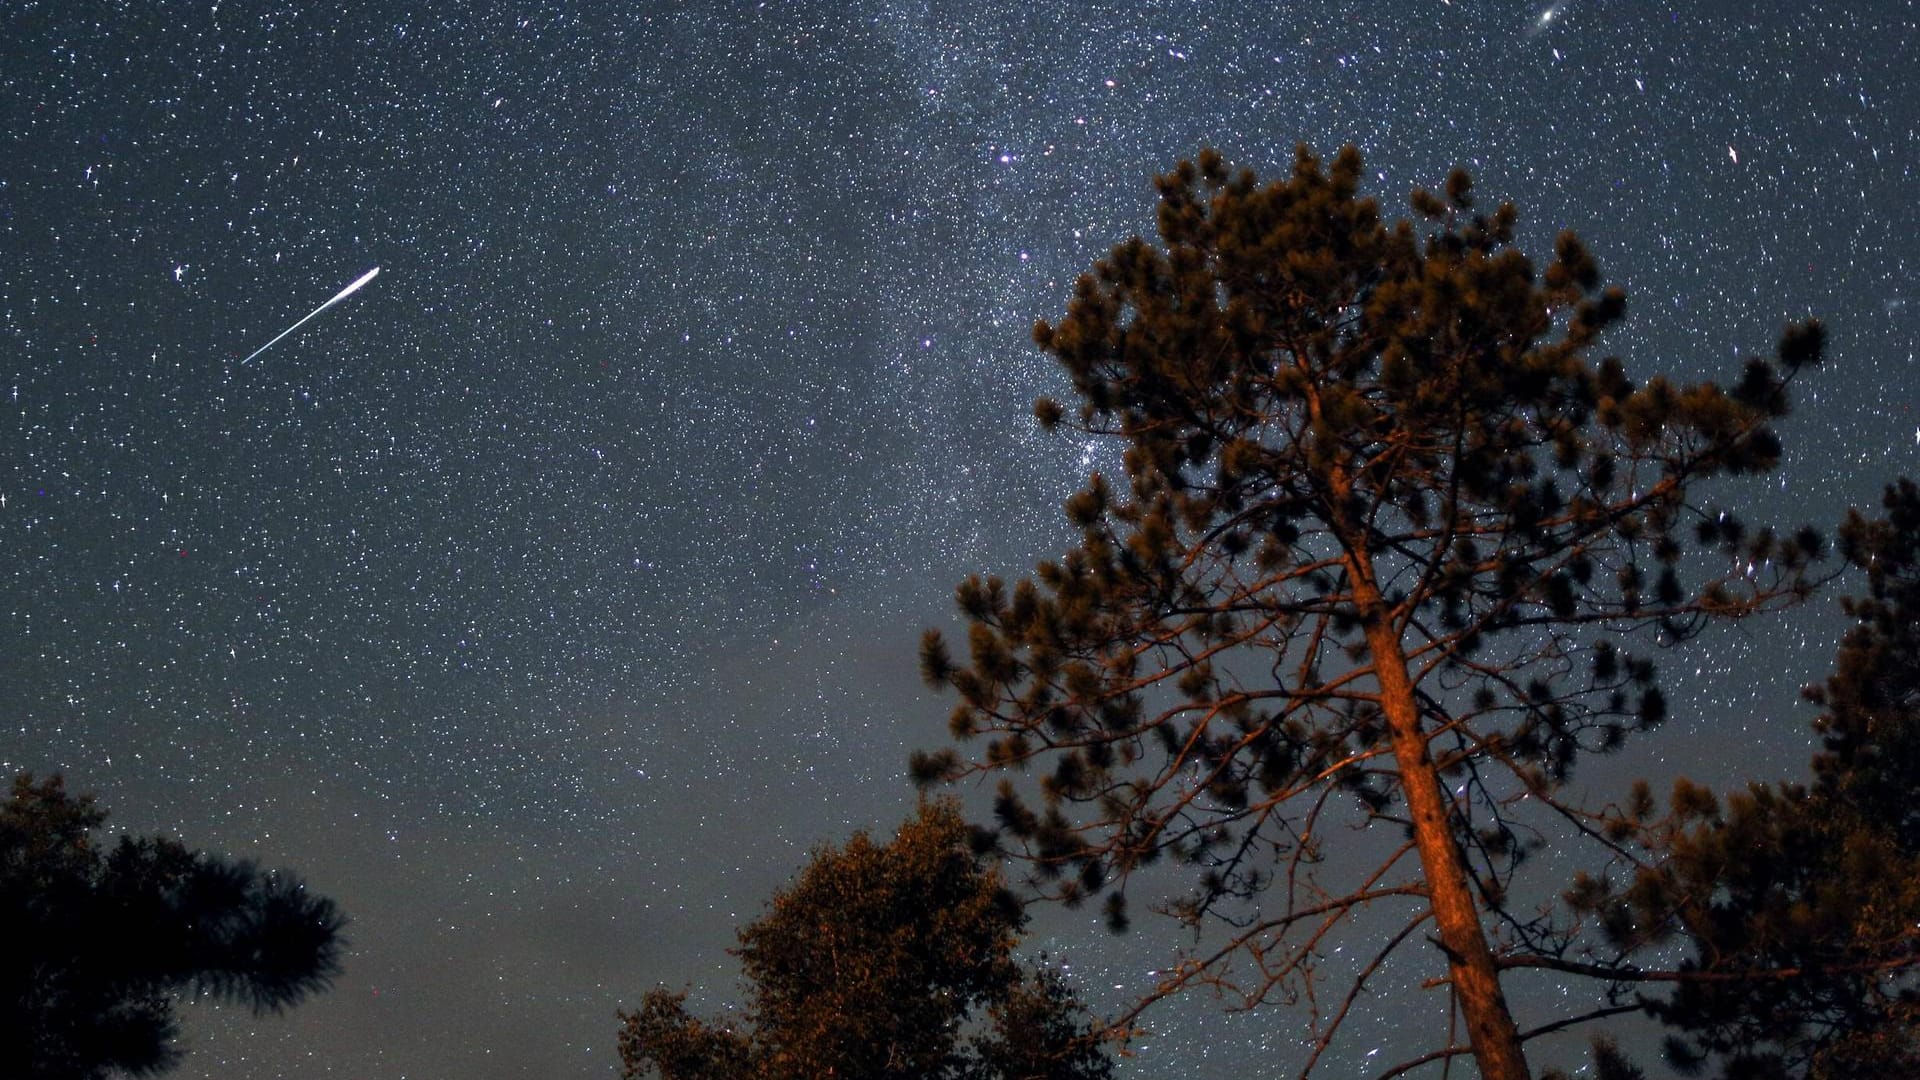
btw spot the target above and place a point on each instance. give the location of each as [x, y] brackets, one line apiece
[1545, 20]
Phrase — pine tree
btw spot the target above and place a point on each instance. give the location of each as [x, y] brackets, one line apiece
[1798, 905]
[1386, 532]
[95, 945]
[881, 961]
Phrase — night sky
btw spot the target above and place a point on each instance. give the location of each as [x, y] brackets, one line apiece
[545, 600]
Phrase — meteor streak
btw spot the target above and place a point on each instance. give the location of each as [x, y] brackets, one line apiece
[337, 297]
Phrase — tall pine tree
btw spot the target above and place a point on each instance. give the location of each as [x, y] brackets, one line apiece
[1385, 530]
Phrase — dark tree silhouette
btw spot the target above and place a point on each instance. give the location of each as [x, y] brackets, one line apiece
[1386, 534]
[881, 961]
[96, 944]
[1798, 905]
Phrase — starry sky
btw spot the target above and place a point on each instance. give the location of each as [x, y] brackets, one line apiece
[545, 600]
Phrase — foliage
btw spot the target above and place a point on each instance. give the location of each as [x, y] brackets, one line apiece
[1608, 1064]
[1386, 535]
[876, 963]
[1798, 905]
[95, 944]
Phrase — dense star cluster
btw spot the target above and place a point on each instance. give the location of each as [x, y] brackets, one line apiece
[545, 600]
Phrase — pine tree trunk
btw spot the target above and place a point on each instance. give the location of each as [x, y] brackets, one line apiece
[1476, 982]
[1491, 1032]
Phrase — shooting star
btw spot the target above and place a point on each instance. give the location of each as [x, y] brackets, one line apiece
[337, 297]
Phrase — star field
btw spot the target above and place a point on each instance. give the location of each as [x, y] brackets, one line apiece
[545, 600]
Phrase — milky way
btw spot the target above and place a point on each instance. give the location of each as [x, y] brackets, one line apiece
[550, 604]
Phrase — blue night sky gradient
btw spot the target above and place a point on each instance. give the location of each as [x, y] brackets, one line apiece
[545, 600]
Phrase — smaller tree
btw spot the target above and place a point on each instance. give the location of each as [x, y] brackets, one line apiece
[1798, 904]
[880, 961]
[95, 945]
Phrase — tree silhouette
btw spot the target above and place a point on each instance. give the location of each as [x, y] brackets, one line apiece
[1799, 905]
[881, 961]
[1387, 535]
[95, 944]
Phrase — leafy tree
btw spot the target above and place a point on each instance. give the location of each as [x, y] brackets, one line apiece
[95, 944]
[1798, 905]
[1386, 536]
[881, 960]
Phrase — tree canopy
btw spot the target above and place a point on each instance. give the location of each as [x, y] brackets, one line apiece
[95, 944]
[1390, 550]
[880, 961]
